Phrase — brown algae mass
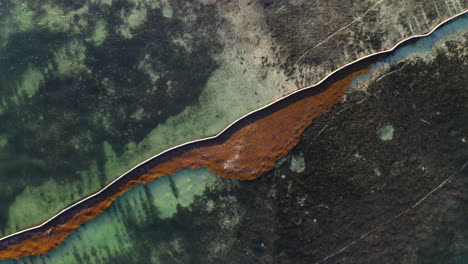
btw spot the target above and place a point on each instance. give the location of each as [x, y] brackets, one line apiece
[245, 151]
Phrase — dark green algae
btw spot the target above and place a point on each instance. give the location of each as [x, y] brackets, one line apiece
[94, 104]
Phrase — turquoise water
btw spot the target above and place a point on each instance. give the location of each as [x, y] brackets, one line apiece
[421, 48]
[106, 235]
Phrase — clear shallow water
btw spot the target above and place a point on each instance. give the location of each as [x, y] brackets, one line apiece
[107, 234]
[421, 48]
[84, 86]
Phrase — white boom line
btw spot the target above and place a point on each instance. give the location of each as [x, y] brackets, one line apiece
[226, 128]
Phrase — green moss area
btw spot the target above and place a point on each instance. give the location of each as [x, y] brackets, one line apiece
[350, 183]
[82, 84]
